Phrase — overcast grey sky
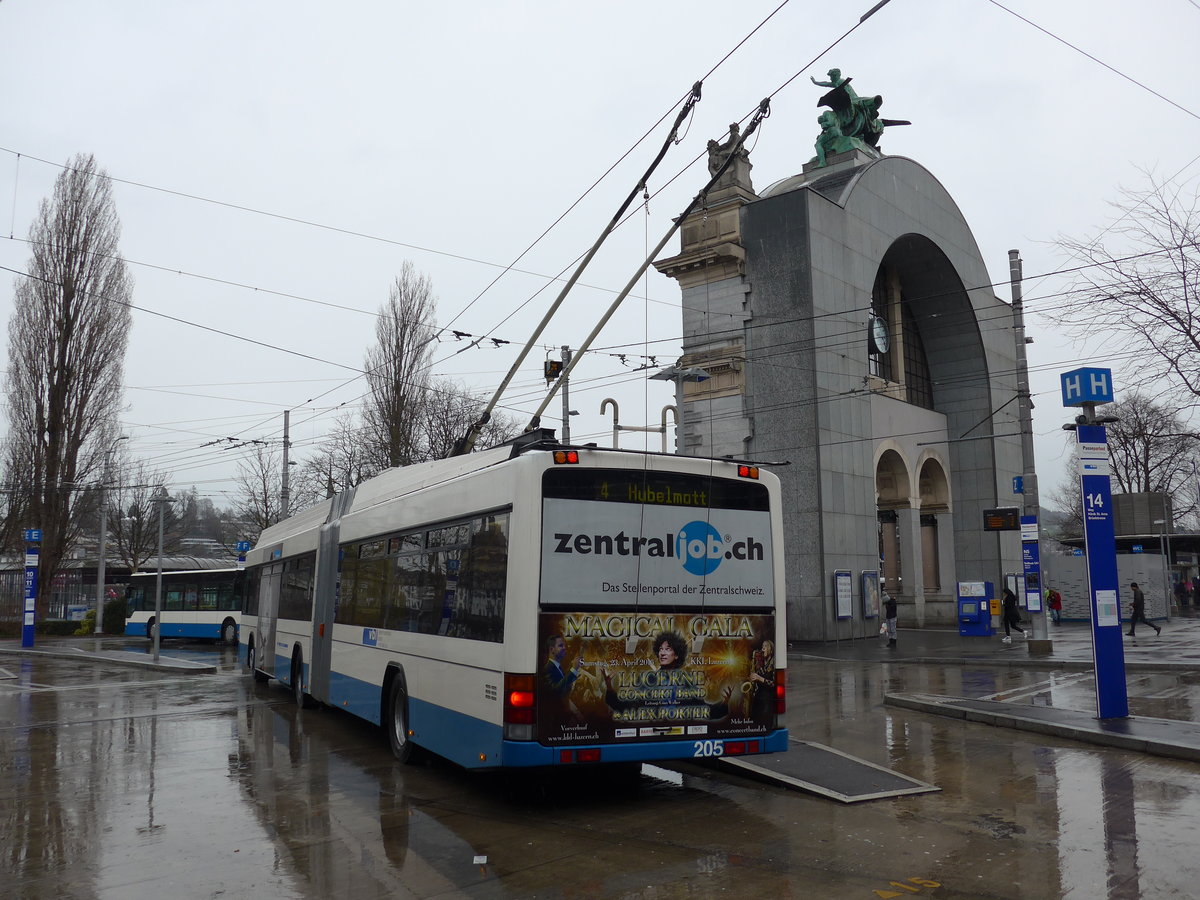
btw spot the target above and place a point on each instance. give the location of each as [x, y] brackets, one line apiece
[279, 160]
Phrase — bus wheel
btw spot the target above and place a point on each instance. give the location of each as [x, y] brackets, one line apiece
[229, 631]
[396, 722]
[302, 700]
[252, 663]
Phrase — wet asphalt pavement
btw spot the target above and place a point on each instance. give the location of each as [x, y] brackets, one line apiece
[127, 781]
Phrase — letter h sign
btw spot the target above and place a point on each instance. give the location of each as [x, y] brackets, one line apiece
[1082, 386]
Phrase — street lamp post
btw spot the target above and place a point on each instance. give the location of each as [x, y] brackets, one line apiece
[104, 469]
[163, 499]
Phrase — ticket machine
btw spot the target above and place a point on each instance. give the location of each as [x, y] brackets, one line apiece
[974, 608]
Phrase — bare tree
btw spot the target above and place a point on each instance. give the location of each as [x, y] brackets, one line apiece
[66, 349]
[339, 462]
[450, 410]
[133, 515]
[1140, 286]
[1150, 447]
[259, 482]
[1066, 498]
[397, 371]
[1150, 451]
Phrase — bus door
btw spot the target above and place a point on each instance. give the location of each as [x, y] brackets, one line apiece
[325, 595]
[268, 614]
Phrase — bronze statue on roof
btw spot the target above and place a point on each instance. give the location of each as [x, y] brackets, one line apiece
[852, 122]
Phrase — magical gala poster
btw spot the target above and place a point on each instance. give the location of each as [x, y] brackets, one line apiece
[628, 676]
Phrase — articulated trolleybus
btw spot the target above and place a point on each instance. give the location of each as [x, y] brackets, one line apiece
[535, 605]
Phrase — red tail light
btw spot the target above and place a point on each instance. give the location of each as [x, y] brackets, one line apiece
[519, 699]
[780, 691]
[590, 755]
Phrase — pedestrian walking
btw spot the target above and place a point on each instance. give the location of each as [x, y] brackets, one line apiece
[1139, 611]
[889, 613]
[1011, 615]
[1054, 602]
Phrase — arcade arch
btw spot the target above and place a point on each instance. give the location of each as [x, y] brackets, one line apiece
[915, 527]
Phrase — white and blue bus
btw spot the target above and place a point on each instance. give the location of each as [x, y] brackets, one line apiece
[535, 605]
[196, 603]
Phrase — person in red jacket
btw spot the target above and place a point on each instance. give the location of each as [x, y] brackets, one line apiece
[1054, 602]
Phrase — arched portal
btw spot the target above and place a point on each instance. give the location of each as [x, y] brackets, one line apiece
[892, 493]
[934, 490]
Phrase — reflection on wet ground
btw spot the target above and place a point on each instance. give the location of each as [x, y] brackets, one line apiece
[121, 783]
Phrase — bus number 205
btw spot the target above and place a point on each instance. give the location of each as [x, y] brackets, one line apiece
[708, 748]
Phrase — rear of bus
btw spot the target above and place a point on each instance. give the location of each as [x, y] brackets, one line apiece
[660, 627]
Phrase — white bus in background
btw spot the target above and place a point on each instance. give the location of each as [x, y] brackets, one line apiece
[535, 605]
[196, 604]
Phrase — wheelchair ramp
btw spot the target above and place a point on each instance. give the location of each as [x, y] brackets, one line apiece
[817, 769]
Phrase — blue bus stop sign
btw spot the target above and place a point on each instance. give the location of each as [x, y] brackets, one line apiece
[1031, 563]
[29, 617]
[1086, 386]
[1112, 700]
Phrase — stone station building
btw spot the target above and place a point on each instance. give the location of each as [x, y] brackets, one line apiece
[843, 323]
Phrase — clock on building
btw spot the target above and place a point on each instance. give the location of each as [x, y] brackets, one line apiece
[878, 335]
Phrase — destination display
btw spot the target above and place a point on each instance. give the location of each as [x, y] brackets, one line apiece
[653, 488]
[626, 677]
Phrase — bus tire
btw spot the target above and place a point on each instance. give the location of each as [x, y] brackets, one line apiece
[229, 632]
[396, 721]
[301, 699]
[252, 663]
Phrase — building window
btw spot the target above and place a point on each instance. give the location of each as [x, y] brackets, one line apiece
[918, 387]
[880, 364]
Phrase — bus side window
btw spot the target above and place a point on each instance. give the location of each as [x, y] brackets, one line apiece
[346, 607]
[173, 598]
[369, 591]
[406, 587]
[479, 597]
[136, 600]
[250, 593]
